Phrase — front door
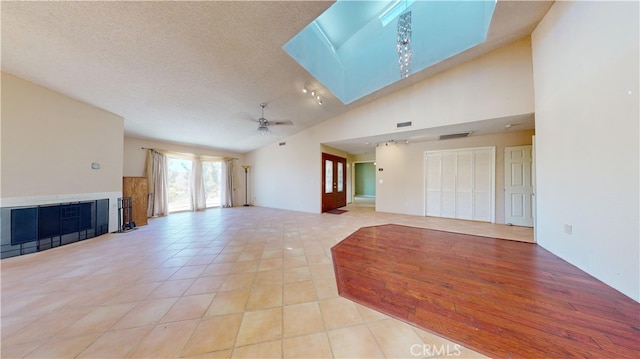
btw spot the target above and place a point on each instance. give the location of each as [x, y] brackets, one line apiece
[334, 180]
[518, 186]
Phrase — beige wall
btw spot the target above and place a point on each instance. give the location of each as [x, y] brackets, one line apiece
[135, 156]
[402, 190]
[585, 57]
[288, 176]
[366, 157]
[49, 142]
[498, 84]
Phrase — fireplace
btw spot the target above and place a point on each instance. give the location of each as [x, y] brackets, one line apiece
[38, 228]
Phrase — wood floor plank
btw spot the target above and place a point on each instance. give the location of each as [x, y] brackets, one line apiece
[501, 298]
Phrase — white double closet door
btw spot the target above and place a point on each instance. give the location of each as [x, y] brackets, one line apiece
[460, 183]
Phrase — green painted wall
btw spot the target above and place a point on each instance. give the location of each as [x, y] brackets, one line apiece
[365, 179]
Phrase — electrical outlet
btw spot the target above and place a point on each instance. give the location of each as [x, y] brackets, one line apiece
[568, 229]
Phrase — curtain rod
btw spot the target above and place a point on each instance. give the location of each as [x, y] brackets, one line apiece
[153, 149]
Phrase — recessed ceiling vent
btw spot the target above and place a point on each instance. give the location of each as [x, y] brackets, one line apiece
[455, 135]
[403, 124]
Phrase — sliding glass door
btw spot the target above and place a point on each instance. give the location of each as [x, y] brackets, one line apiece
[212, 178]
[178, 180]
[180, 187]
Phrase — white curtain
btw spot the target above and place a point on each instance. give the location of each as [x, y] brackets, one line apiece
[158, 203]
[227, 183]
[198, 197]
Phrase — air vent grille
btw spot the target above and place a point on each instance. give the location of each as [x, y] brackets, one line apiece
[403, 124]
[455, 135]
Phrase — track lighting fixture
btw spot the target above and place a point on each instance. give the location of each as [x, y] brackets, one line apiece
[314, 93]
[392, 142]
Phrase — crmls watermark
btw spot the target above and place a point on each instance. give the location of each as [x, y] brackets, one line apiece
[430, 350]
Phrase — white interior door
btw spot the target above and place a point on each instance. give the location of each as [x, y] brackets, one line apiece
[448, 181]
[518, 185]
[433, 173]
[483, 185]
[459, 183]
[464, 186]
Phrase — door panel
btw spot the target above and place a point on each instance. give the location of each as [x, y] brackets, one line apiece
[483, 184]
[464, 185]
[517, 205]
[334, 178]
[482, 206]
[434, 184]
[328, 176]
[460, 183]
[449, 166]
[518, 185]
[340, 174]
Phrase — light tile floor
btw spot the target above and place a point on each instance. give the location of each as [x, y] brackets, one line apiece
[244, 282]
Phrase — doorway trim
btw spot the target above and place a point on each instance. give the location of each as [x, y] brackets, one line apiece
[522, 194]
[353, 177]
[336, 198]
[473, 189]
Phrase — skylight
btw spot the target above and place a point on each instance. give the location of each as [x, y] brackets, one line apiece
[351, 48]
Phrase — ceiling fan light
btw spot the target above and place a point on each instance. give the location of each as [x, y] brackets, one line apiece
[263, 130]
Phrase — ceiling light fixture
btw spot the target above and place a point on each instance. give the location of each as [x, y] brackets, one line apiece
[393, 142]
[263, 124]
[404, 44]
[314, 93]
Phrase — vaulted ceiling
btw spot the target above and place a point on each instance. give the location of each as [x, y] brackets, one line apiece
[196, 72]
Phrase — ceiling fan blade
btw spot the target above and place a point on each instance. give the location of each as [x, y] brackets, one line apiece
[244, 116]
[281, 123]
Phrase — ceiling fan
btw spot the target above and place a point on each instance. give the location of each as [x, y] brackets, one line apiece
[263, 123]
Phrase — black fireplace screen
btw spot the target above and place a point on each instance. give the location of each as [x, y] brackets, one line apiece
[58, 224]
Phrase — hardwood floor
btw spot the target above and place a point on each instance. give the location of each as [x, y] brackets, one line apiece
[500, 298]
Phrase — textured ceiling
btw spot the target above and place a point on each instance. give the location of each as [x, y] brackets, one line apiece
[195, 72]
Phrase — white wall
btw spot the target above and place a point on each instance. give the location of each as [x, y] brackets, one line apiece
[288, 176]
[48, 144]
[585, 57]
[402, 190]
[135, 160]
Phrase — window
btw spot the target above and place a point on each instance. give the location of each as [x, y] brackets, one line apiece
[179, 182]
[212, 179]
[179, 174]
[328, 176]
[340, 175]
